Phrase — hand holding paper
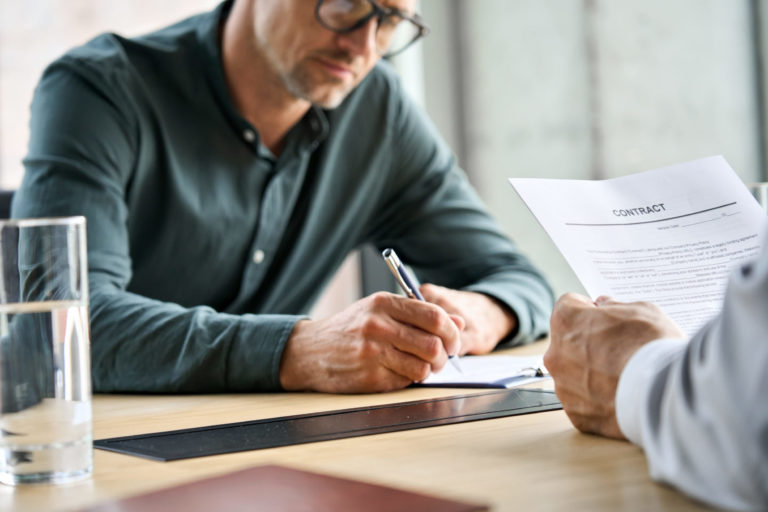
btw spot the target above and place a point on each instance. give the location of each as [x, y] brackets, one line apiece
[669, 236]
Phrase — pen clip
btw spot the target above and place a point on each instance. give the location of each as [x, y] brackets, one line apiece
[536, 371]
[394, 264]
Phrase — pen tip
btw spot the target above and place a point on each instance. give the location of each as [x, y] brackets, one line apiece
[455, 362]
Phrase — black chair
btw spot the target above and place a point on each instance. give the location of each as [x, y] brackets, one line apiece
[5, 203]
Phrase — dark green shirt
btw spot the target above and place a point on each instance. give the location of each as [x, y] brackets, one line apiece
[204, 249]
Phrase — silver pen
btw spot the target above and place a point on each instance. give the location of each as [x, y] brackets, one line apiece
[406, 283]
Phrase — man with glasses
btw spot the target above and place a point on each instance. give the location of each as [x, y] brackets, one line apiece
[228, 164]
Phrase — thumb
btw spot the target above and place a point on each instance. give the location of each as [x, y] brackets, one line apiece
[459, 321]
[432, 292]
[605, 300]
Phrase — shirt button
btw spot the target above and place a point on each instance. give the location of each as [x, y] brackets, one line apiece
[249, 135]
[314, 124]
[258, 256]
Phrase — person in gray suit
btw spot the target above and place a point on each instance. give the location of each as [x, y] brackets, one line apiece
[698, 407]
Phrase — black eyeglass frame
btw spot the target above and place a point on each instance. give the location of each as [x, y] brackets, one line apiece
[380, 12]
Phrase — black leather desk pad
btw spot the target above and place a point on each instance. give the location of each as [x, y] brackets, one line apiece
[328, 425]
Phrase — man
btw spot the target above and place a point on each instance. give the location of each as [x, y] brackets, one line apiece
[698, 408]
[226, 166]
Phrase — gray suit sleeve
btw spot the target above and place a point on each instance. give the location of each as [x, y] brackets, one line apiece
[699, 409]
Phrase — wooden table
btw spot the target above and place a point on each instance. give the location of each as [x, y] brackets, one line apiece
[531, 462]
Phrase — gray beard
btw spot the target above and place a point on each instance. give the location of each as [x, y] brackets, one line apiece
[299, 84]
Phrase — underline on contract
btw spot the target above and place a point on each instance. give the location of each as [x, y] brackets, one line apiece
[651, 221]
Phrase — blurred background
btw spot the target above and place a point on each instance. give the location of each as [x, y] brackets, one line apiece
[578, 89]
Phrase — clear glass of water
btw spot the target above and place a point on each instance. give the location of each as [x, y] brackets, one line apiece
[45, 377]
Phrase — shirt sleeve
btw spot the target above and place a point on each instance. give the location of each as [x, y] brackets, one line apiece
[699, 409]
[81, 155]
[440, 227]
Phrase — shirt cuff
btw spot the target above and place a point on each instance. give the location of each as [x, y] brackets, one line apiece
[254, 359]
[637, 380]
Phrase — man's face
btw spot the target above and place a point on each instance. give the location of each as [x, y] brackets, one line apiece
[313, 62]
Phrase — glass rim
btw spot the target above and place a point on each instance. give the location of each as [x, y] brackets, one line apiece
[43, 221]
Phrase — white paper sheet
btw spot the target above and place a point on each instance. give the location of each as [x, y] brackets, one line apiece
[669, 236]
[494, 371]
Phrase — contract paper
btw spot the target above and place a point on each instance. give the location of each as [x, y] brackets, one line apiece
[669, 236]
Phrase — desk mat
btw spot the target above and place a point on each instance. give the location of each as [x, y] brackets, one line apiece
[328, 425]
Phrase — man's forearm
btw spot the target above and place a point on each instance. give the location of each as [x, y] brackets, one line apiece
[143, 345]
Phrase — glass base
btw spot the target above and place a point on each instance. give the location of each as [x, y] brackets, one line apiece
[50, 477]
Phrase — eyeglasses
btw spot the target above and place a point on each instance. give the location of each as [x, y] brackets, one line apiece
[395, 30]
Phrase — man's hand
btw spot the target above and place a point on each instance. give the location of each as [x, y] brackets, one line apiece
[379, 343]
[487, 321]
[591, 342]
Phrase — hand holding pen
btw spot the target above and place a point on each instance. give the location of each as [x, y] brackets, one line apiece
[381, 342]
[406, 283]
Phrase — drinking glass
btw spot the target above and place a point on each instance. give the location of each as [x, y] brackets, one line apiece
[45, 382]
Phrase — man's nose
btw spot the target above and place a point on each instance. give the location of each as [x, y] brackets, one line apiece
[361, 41]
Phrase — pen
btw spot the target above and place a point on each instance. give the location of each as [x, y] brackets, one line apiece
[406, 283]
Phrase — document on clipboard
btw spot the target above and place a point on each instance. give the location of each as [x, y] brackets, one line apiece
[669, 236]
[489, 371]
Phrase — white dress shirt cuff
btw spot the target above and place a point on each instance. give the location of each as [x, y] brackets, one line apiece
[637, 380]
